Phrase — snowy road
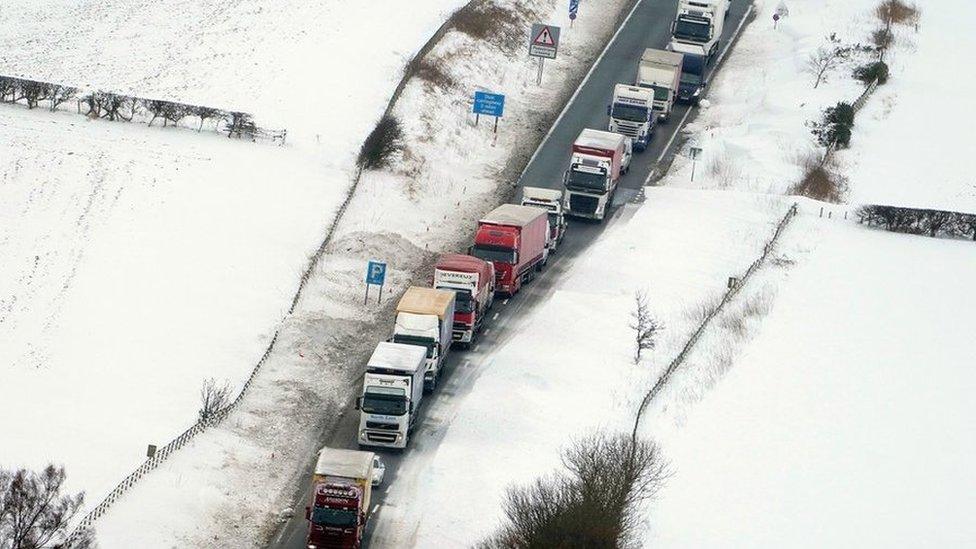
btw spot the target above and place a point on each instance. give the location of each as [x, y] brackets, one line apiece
[648, 26]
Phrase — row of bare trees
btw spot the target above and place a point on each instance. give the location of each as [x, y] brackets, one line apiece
[119, 107]
[919, 221]
[34, 514]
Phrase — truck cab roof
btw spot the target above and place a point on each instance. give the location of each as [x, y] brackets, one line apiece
[397, 356]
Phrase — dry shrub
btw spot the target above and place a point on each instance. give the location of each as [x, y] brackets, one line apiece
[897, 12]
[485, 20]
[821, 182]
[383, 142]
[882, 38]
[431, 72]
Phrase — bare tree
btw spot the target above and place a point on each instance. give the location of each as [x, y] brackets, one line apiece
[34, 92]
[643, 325]
[8, 86]
[595, 503]
[174, 112]
[206, 113]
[59, 94]
[213, 398]
[826, 58]
[154, 106]
[240, 123]
[33, 513]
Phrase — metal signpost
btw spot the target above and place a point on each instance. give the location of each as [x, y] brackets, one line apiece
[695, 151]
[544, 44]
[375, 274]
[490, 104]
[573, 10]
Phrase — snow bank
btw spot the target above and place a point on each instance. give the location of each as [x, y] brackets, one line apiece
[138, 261]
[847, 422]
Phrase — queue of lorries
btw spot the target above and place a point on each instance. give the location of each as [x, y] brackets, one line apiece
[512, 244]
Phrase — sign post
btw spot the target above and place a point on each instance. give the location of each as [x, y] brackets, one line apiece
[490, 104]
[695, 151]
[375, 274]
[544, 44]
[573, 10]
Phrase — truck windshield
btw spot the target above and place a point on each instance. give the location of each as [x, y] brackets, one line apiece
[632, 113]
[587, 181]
[416, 340]
[464, 303]
[340, 518]
[660, 93]
[500, 254]
[691, 79]
[383, 400]
[698, 31]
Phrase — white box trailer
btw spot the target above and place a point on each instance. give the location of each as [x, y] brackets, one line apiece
[425, 317]
[660, 71]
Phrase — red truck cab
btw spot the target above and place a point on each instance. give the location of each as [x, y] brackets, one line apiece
[335, 517]
[473, 281]
[513, 238]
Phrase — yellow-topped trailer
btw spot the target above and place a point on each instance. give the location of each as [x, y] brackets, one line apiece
[425, 316]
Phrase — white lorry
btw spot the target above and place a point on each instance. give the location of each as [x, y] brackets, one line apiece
[393, 388]
[699, 23]
[598, 160]
[660, 71]
[425, 317]
[632, 114]
[550, 200]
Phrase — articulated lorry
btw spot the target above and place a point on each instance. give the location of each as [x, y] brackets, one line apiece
[550, 200]
[595, 167]
[393, 388]
[514, 239]
[425, 317]
[700, 23]
[339, 508]
[473, 281]
[632, 114]
[660, 71]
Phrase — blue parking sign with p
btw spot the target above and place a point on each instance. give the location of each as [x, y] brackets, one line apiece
[376, 273]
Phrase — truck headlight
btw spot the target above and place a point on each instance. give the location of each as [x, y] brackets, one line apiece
[697, 92]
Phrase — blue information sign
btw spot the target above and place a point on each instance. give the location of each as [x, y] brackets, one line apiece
[376, 273]
[491, 104]
[573, 8]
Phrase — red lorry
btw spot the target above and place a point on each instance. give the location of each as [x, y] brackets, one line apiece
[513, 238]
[473, 280]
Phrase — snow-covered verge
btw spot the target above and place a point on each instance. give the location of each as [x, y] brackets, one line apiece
[848, 421]
[228, 485]
[138, 261]
[569, 369]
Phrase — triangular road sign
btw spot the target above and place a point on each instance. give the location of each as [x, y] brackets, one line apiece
[544, 38]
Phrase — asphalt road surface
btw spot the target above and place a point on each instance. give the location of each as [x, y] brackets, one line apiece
[647, 27]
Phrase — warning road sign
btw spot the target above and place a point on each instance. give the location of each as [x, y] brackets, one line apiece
[544, 41]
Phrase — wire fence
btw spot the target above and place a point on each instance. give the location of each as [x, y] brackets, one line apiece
[732, 291]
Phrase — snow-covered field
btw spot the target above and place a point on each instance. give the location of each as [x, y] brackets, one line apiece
[136, 261]
[849, 420]
[842, 418]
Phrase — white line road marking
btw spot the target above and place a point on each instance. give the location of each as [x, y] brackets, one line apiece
[476, 347]
[466, 363]
[495, 317]
[505, 302]
[488, 331]
[375, 507]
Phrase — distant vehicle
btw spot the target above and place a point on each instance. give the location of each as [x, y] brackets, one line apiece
[700, 23]
[425, 317]
[632, 114]
[513, 238]
[379, 471]
[393, 389]
[550, 200]
[341, 488]
[660, 71]
[473, 281]
[598, 158]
